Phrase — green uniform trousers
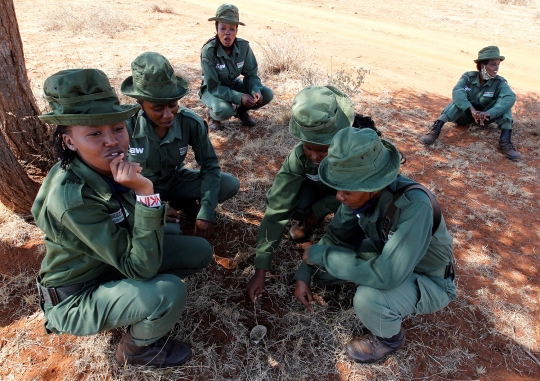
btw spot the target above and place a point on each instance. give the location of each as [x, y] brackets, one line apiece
[151, 308]
[452, 113]
[382, 311]
[308, 196]
[186, 184]
[223, 110]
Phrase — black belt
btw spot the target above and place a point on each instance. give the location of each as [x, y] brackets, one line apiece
[56, 295]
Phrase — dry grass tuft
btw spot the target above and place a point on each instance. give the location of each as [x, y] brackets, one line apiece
[88, 19]
[522, 3]
[282, 53]
[14, 230]
[162, 9]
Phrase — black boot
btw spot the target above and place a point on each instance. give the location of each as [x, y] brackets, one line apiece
[241, 113]
[213, 125]
[433, 133]
[163, 353]
[371, 348]
[506, 146]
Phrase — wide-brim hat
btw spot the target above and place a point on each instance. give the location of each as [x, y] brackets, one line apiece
[358, 160]
[83, 97]
[153, 80]
[318, 113]
[228, 14]
[489, 53]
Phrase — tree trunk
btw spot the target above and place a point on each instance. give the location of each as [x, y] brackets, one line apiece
[25, 156]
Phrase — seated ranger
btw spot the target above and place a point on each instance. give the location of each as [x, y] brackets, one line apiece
[403, 267]
[159, 138]
[318, 113]
[108, 263]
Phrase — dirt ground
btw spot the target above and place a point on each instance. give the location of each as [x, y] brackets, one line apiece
[415, 52]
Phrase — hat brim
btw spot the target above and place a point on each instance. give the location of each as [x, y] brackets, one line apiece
[379, 180]
[226, 21]
[490, 58]
[344, 119]
[128, 89]
[90, 119]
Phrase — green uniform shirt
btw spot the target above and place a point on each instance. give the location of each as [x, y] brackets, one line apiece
[220, 70]
[495, 97]
[282, 199]
[410, 247]
[161, 159]
[85, 232]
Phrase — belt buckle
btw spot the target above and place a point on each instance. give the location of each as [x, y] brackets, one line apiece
[53, 295]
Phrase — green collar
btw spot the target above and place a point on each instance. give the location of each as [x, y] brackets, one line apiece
[91, 178]
[221, 52]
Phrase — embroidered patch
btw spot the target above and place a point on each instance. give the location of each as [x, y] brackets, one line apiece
[240, 64]
[220, 66]
[488, 94]
[118, 216]
[467, 88]
[183, 150]
[204, 59]
[136, 150]
[313, 177]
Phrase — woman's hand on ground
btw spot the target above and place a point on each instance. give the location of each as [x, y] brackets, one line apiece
[302, 292]
[248, 101]
[128, 174]
[204, 229]
[255, 286]
[172, 215]
[482, 117]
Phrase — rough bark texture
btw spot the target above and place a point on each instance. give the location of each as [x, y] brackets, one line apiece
[23, 158]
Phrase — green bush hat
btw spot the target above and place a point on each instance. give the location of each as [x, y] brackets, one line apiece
[358, 160]
[153, 80]
[228, 14]
[318, 113]
[83, 97]
[489, 53]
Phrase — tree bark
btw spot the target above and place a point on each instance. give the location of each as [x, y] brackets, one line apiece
[25, 156]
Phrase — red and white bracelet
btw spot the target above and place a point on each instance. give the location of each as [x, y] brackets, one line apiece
[152, 201]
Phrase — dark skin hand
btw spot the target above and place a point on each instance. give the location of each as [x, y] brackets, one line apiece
[258, 98]
[302, 292]
[204, 229]
[172, 215]
[311, 220]
[255, 286]
[248, 101]
[305, 255]
[479, 116]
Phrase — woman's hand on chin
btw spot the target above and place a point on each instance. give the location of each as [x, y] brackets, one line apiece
[129, 175]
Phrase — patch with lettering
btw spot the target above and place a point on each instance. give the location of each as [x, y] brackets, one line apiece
[220, 66]
[204, 59]
[136, 150]
[183, 150]
[118, 216]
[467, 88]
[488, 94]
[313, 177]
[240, 64]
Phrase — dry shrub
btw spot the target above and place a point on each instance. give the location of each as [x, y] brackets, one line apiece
[92, 19]
[284, 52]
[162, 9]
[348, 83]
[14, 230]
[514, 2]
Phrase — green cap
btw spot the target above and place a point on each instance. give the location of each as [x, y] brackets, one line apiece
[228, 14]
[358, 160]
[489, 53]
[153, 80]
[83, 97]
[318, 113]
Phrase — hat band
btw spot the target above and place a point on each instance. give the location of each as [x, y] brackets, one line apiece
[143, 82]
[81, 98]
[317, 128]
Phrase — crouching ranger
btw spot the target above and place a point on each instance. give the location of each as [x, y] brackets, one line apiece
[108, 263]
[401, 269]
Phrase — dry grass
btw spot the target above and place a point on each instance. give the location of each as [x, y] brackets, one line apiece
[88, 20]
[163, 8]
[304, 346]
[282, 52]
[14, 230]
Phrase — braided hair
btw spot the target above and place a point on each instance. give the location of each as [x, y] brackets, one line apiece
[480, 63]
[65, 155]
